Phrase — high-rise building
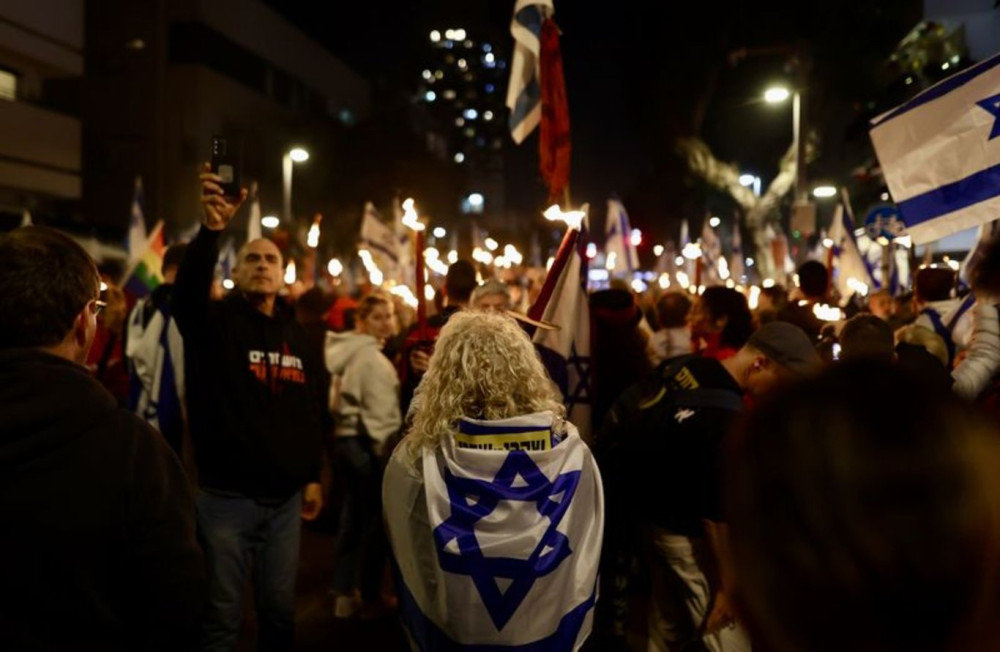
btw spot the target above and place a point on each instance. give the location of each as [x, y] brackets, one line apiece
[461, 90]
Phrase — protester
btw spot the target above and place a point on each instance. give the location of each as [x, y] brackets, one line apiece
[663, 438]
[255, 403]
[771, 302]
[155, 351]
[974, 373]
[96, 517]
[867, 337]
[459, 283]
[619, 356]
[814, 288]
[881, 305]
[720, 322]
[364, 402]
[854, 528]
[492, 295]
[106, 360]
[493, 502]
[938, 310]
[673, 337]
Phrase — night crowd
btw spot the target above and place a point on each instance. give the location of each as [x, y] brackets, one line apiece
[745, 478]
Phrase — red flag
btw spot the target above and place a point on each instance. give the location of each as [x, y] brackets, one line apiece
[554, 140]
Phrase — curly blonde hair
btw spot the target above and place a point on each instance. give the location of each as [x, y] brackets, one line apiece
[483, 367]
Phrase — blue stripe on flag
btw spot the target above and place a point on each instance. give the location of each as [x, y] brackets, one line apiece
[429, 636]
[941, 89]
[382, 248]
[952, 197]
[529, 18]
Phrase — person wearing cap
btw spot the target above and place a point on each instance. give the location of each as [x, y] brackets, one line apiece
[669, 432]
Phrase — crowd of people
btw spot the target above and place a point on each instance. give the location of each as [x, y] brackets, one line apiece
[749, 478]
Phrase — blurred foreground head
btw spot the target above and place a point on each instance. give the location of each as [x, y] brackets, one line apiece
[865, 515]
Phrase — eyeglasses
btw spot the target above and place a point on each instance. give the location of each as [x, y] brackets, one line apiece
[99, 306]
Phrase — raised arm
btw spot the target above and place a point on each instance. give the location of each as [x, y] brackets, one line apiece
[192, 289]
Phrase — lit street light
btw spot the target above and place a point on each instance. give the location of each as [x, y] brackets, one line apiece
[824, 192]
[776, 94]
[295, 155]
[270, 222]
[714, 222]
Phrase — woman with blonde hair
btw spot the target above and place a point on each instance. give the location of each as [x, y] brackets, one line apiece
[493, 503]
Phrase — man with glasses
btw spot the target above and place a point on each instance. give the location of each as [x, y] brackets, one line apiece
[254, 400]
[96, 518]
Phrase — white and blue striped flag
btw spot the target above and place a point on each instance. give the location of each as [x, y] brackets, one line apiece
[941, 156]
[524, 94]
[498, 547]
[563, 301]
[618, 241]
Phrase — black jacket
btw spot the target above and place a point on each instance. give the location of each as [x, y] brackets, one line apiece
[252, 384]
[97, 529]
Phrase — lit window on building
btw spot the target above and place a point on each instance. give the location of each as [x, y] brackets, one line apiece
[459, 157]
[471, 114]
[428, 75]
[463, 64]
[487, 47]
[490, 88]
[448, 94]
[469, 132]
[438, 74]
[430, 96]
[459, 122]
[487, 115]
[8, 85]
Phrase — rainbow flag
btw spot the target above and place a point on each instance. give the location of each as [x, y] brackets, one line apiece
[146, 273]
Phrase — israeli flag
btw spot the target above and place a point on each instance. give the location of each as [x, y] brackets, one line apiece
[524, 94]
[941, 156]
[498, 542]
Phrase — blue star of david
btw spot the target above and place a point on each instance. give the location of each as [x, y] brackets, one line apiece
[473, 499]
[992, 104]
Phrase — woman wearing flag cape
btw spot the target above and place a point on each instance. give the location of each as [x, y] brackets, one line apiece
[493, 503]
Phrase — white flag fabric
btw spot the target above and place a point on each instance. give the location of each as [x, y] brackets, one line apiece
[736, 265]
[711, 253]
[618, 241]
[941, 156]
[848, 263]
[566, 351]
[136, 240]
[498, 535]
[381, 241]
[156, 350]
[524, 94]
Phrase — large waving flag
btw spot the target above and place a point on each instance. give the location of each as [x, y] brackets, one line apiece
[711, 254]
[849, 268]
[136, 238]
[381, 241]
[524, 93]
[619, 252]
[554, 146]
[941, 156]
[156, 351]
[563, 302]
[146, 270]
[500, 549]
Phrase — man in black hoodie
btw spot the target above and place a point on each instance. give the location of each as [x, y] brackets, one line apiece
[254, 407]
[96, 519]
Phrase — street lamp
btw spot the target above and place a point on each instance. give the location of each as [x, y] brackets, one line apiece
[295, 155]
[776, 95]
[824, 192]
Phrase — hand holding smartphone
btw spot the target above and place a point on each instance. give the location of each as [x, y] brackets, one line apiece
[226, 155]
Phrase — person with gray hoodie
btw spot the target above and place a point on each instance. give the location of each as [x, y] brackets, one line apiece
[364, 403]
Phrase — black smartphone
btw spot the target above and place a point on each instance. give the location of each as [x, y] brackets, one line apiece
[226, 157]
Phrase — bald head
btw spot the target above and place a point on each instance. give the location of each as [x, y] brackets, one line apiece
[259, 269]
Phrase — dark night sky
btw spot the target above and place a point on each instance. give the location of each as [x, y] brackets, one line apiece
[636, 73]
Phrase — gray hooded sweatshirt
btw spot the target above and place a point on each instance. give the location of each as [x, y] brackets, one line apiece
[364, 390]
